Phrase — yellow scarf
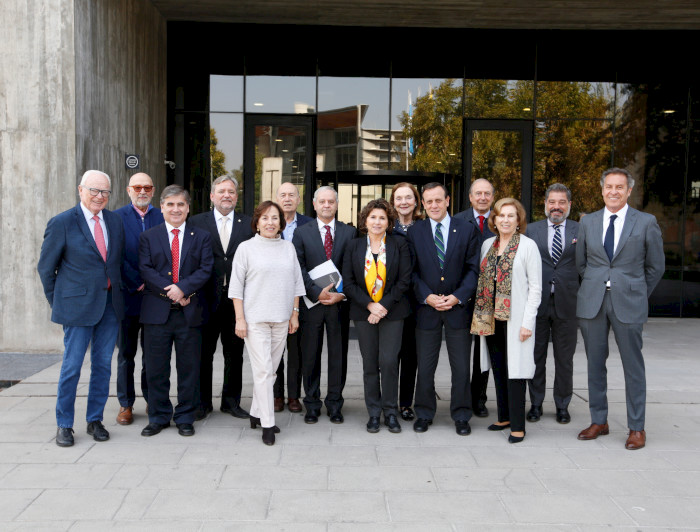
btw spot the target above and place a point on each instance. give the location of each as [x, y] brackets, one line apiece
[375, 272]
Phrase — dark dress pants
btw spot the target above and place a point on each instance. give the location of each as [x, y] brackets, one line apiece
[128, 346]
[408, 364]
[510, 393]
[380, 365]
[336, 321]
[563, 333]
[428, 342]
[293, 369]
[221, 323]
[158, 341]
[480, 379]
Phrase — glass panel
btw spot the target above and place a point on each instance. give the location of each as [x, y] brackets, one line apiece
[226, 93]
[226, 146]
[575, 99]
[498, 98]
[347, 203]
[280, 94]
[691, 255]
[574, 153]
[280, 157]
[497, 156]
[427, 125]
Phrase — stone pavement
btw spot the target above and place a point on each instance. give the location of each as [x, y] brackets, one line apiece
[338, 477]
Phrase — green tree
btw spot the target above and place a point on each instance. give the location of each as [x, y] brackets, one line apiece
[218, 158]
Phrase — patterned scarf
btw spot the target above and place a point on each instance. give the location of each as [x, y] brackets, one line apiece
[486, 310]
[375, 272]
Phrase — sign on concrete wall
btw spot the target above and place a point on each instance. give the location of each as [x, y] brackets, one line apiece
[132, 161]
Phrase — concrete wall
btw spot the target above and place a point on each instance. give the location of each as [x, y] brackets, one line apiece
[81, 83]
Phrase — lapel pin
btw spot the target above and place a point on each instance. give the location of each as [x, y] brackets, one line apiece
[192, 233]
[239, 220]
[454, 230]
[573, 241]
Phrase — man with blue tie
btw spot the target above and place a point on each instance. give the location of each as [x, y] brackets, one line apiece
[444, 280]
[80, 270]
[137, 216]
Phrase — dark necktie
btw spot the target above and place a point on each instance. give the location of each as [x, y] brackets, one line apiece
[175, 251]
[328, 242]
[556, 245]
[609, 242]
[481, 223]
[440, 245]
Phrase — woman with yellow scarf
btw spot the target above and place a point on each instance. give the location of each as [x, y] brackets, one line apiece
[376, 277]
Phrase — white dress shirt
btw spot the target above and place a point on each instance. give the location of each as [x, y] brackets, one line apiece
[180, 238]
[445, 228]
[550, 235]
[220, 220]
[619, 223]
[91, 223]
[321, 229]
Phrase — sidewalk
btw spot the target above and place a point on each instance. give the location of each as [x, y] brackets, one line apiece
[328, 477]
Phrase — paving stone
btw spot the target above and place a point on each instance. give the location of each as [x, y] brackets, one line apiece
[620, 459]
[389, 527]
[274, 477]
[65, 504]
[308, 455]
[457, 479]
[509, 456]
[261, 526]
[52, 526]
[382, 478]
[601, 481]
[232, 453]
[328, 506]
[426, 456]
[56, 476]
[684, 460]
[667, 483]
[146, 452]
[136, 503]
[168, 476]
[564, 509]
[442, 508]
[14, 502]
[152, 525]
[43, 453]
[662, 511]
[224, 504]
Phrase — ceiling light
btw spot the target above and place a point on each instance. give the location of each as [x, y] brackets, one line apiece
[258, 104]
[669, 111]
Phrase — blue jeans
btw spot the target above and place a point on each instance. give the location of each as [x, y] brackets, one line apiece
[103, 338]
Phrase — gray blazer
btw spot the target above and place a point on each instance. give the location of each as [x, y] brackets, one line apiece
[564, 275]
[635, 270]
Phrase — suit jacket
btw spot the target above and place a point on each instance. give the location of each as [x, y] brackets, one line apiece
[155, 265]
[309, 245]
[397, 282]
[130, 268]
[73, 273]
[459, 276]
[468, 215]
[301, 220]
[636, 268]
[240, 231]
[564, 275]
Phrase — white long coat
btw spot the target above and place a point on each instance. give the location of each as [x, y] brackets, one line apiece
[525, 295]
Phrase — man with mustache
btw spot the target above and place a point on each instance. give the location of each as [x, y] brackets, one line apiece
[556, 239]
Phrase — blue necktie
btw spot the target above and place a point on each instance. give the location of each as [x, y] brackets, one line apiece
[440, 245]
[609, 242]
[556, 245]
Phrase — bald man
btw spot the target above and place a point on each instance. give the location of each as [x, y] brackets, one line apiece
[137, 216]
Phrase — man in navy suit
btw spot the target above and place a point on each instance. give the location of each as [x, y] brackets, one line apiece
[317, 243]
[80, 269]
[444, 280]
[481, 196]
[226, 229]
[175, 261]
[288, 198]
[137, 216]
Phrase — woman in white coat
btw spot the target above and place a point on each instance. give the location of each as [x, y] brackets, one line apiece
[507, 297]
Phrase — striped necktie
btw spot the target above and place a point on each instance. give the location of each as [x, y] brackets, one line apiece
[557, 247]
[440, 245]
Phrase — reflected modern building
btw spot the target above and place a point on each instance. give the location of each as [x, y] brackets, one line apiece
[355, 95]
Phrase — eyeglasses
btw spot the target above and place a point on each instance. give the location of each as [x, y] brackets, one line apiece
[139, 188]
[96, 191]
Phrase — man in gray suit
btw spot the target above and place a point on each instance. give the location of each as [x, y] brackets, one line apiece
[556, 239]
[620, 258]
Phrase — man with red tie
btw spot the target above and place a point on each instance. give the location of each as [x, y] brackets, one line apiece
[80, 269]
[175, 261]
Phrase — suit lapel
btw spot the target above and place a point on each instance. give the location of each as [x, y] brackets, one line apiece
[111, 233]
[164, 241]
[597, 243]
[430, 243]
[391, 258]
[630, 220]
[82, 223]
[455, 231]
[211, 225]
[235, 229]
[187, 238]
[338, 240]
[543, 242]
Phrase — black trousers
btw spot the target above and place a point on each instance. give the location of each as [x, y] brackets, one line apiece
[510, 393]
[158, 342]
[336, 320]
[480, 379]
[221, 323]
[128, 346]
[428, 342]
[408, 363]
[293, 369]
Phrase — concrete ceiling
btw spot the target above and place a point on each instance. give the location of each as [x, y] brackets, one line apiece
[480, 14]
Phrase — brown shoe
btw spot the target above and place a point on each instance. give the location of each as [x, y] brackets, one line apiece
[294, 405]
[636, 440]
[279, 404]
[125, 416]
[595, 430]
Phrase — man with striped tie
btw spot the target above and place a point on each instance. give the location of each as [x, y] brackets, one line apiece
[444, 280]
[556, 239]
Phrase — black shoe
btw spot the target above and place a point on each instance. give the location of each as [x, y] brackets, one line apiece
[185, 429]
[535, 413]
[563, 416]
[97, 430]
[462, 428]
[499, 427]
[373, 425]
[421, 425]
[154, 428]
[516, 439]
[407, 413]
[311, 417]
[336, 417]
[393, 423]
[255, 423]
[235, 410]
[203, 412]
[64, 437]
[480, 410]
[268, 436]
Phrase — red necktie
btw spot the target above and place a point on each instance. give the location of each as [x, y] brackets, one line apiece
[481, 223]
[100, 241]
[175, 250]
[328, 242]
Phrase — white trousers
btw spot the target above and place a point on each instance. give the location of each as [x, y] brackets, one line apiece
[265, 342]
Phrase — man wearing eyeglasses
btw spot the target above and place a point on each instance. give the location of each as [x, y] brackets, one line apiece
[80, 270]
[137, 216]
